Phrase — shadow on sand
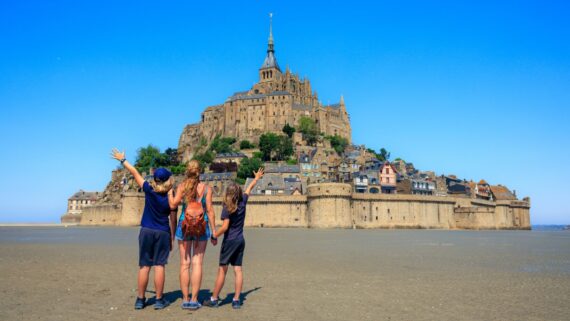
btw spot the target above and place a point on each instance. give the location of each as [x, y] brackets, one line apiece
[242, 297]
[204, 294]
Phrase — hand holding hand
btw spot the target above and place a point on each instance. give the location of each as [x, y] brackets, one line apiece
[117, 155]
[259, 174]
[214, 242]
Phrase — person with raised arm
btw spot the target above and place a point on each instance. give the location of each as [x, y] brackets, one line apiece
[233, 245]
[155, 235]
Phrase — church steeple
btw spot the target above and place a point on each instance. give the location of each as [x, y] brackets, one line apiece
[269, 69]
[270, 41]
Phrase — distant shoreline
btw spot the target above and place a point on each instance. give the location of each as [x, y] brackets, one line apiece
[37, 224]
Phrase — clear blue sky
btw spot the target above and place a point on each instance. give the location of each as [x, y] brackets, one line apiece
[478, 89]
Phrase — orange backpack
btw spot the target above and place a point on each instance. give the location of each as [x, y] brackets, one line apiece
[194, 223]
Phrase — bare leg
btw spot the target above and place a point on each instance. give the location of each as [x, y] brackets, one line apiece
[159, 280]
[199, 248]
[185, 254]
[239, 281]
[220, 281]
[143, 280]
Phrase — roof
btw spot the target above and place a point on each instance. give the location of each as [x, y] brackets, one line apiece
[279, 92]
[216, 176]
[307, 157]
[83, 195]
[483, 182]
[502, 193]
[275, 168]
[270, 61]
[458, 188]
[230, 155]
[389, 164]
[301, 107]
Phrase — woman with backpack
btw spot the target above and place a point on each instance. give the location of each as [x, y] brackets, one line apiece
[195, 226]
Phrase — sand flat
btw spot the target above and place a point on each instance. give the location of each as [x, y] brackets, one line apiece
[79, 273]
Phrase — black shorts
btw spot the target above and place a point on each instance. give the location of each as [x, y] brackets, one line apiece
[232, 252]
[154, 247]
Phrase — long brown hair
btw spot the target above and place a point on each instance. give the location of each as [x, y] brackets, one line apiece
[192, 180]
[232, 198]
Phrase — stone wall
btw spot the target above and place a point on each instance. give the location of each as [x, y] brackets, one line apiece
[334, 205]
[102, 215]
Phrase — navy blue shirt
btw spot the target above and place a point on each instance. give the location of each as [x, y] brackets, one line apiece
[156, 209]
[237, 219]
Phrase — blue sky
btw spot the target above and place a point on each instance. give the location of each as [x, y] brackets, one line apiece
[478, 89]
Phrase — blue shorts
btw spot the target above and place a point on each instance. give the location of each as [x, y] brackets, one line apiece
[180, 236]
[154, 247]
[232, 252]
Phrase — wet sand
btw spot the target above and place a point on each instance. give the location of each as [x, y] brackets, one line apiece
[79, 273]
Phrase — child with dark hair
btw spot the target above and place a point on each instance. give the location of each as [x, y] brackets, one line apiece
[233, 245]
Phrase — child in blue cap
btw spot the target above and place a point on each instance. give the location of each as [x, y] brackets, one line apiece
[157, 230]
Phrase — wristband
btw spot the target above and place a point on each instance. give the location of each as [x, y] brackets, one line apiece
[123, 160]
[214, 238]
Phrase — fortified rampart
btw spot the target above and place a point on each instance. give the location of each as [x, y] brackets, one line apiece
[334, 205]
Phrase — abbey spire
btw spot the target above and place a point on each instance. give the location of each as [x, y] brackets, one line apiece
[270, 62]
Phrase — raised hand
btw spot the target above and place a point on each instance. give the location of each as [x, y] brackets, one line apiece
[259, 174]
[116, 154]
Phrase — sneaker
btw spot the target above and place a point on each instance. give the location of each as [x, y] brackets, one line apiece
[191, 305]
[160, 304]
[212, 303]
[236, 304]
[140, 303]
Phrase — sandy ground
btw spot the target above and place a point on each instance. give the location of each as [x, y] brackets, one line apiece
[77, 273]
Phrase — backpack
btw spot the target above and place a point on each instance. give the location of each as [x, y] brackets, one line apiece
[194, 223]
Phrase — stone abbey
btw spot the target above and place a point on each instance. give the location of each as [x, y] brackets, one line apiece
[278, 98]
[352, 189]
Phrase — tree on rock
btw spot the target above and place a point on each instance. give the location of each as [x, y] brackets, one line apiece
[289, 130]
[308, 127]
[268, 144]
[246, 144]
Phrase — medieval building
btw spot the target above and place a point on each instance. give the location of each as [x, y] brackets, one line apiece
[278, 98]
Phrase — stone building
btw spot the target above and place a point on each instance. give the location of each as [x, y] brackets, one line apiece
[76, 203]
[388, 175]
[234, 157]
[278, 98]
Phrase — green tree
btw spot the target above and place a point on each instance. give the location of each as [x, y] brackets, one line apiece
[246, 144]
[339, 143]
[172, 156]
[178, 169]
[384, 155]
[148, 157]
[289, 130]
[308, 127]
[284, 149]
[268, 145]
[292, 161]
[222, 144]
[205, 158]
[247, 166]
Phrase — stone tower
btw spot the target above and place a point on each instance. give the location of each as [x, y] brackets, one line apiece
[270, 70]
[278, 98]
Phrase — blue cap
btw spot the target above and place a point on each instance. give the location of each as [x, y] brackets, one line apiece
[162, 174]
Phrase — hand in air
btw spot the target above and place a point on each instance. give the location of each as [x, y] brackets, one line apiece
[117, 155]
[259, 174]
